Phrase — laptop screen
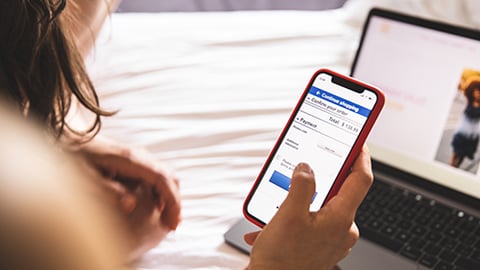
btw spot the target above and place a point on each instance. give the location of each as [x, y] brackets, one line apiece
[430, 73]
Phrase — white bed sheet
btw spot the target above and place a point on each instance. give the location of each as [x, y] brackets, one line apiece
[207, 94]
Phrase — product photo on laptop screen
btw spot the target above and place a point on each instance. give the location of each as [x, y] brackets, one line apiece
[423, 210]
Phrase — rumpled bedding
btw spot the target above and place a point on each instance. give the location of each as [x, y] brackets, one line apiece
[208, 93]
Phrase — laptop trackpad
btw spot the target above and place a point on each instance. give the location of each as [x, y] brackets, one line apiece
[366, 255]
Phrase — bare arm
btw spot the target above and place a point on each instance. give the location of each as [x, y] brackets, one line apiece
[88, 17]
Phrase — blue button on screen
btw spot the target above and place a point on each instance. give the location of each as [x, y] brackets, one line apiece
[280, 180]
[283, 181]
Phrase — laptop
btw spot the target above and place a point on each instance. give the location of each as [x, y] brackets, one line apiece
[423, 210]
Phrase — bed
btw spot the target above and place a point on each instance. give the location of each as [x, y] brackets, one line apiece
[208, 93]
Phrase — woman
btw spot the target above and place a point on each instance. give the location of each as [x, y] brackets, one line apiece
[465, 139]
[42, 74]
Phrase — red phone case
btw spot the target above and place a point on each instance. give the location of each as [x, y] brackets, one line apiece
[350, 158]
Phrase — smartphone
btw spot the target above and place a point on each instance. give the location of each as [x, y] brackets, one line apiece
[327, 130]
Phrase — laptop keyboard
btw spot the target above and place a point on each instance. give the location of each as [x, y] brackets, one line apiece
[421, 229]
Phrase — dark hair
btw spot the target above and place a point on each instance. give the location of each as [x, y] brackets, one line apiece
[44, 71]
[472, 86]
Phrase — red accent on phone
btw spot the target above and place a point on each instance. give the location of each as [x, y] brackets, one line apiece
[327, 129]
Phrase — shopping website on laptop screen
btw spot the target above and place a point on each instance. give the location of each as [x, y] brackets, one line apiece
[430, 124]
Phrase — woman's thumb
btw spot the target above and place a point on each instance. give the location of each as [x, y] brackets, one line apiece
[302, 188]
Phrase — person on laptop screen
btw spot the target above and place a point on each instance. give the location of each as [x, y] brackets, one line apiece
[465, 139]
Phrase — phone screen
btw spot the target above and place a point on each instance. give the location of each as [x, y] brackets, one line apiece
[322, 131]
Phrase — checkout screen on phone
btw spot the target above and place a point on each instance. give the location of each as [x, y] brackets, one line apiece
[321, 134]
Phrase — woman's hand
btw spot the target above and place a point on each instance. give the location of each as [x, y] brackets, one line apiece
[299, 239]
[146, 195]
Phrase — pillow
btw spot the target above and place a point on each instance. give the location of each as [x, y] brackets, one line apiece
[458, 12]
